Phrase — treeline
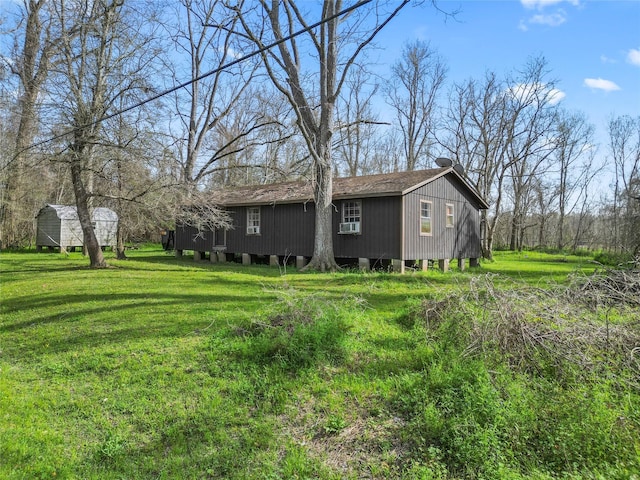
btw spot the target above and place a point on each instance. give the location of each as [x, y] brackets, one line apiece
[144, 106]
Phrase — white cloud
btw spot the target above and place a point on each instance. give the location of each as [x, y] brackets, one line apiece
[555, 96]
[552, 20]
[605, 59]
[633, 57]
[536, 93]
[540, 4]
[601, 84]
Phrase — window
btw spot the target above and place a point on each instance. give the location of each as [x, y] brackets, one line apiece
[351, 211]
[449, 221]
[425, 218]
[253, 220]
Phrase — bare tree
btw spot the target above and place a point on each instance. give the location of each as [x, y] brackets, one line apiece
[106, 54]
[572, 158]
[477, 120]
[30, 64]
[357, 124]
[388, 153]
[498, 130]
[624, 147]
[412, 91]
[218, 113]
[334, 44]
[532, 104]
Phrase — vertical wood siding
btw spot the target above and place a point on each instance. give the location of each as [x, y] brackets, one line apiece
[48, 228]
[188, 238]
[71, 233]
[288, 229]
[106, 232]
[285, 229]
[380, 229]
[461, 241]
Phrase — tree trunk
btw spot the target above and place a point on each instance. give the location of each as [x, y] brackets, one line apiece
[84, 215]
[32, 68]
[120, 253]
[323, 258]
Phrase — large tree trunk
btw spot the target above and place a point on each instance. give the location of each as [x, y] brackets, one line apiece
[16, 221]
[31, 67]
[323, 258]
[84, 214]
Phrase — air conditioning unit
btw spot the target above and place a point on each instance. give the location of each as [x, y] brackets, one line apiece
[253, 230]
[350, 227]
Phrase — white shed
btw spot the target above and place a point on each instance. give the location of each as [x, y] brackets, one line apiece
[59, 226]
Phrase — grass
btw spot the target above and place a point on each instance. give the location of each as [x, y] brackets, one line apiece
[164, 368]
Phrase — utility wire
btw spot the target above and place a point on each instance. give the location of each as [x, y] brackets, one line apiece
[204, 75]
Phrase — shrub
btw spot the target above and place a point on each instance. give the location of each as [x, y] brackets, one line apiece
[614, 259]
[525, 381]
[299, 331]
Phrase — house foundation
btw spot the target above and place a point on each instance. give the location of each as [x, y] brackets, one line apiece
[364, 264]
[443, 264]
[397, 265]
[301, 262]
[474, 262]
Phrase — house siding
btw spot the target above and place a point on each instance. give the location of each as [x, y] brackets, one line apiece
[285, 229]
[380, 230]
[188, 238]
[389, 220]
[461, 241]
[288, 229]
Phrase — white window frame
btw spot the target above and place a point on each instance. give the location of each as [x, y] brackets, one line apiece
[351, 213]
[430, 217]
[450, 217]
[253, 221]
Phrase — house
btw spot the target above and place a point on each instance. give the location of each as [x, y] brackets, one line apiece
[59, 226]
[404, 218]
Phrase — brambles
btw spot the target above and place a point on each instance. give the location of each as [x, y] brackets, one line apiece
[527, 380]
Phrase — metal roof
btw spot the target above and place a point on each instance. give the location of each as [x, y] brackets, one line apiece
[386, 184]
[70, 212]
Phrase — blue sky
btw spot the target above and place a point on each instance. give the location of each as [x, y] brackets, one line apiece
[592, 47]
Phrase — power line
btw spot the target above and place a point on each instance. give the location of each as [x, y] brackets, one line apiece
[205, 75]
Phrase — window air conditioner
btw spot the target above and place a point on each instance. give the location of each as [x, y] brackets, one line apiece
[350, 227]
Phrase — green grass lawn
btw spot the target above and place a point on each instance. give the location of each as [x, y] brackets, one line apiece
[160, 367]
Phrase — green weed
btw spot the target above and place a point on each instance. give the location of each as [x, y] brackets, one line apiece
[165, 368]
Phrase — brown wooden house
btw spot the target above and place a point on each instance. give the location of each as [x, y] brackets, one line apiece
[404, 218]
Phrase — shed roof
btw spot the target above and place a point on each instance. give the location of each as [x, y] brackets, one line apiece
[380, 185]
[70, 212]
